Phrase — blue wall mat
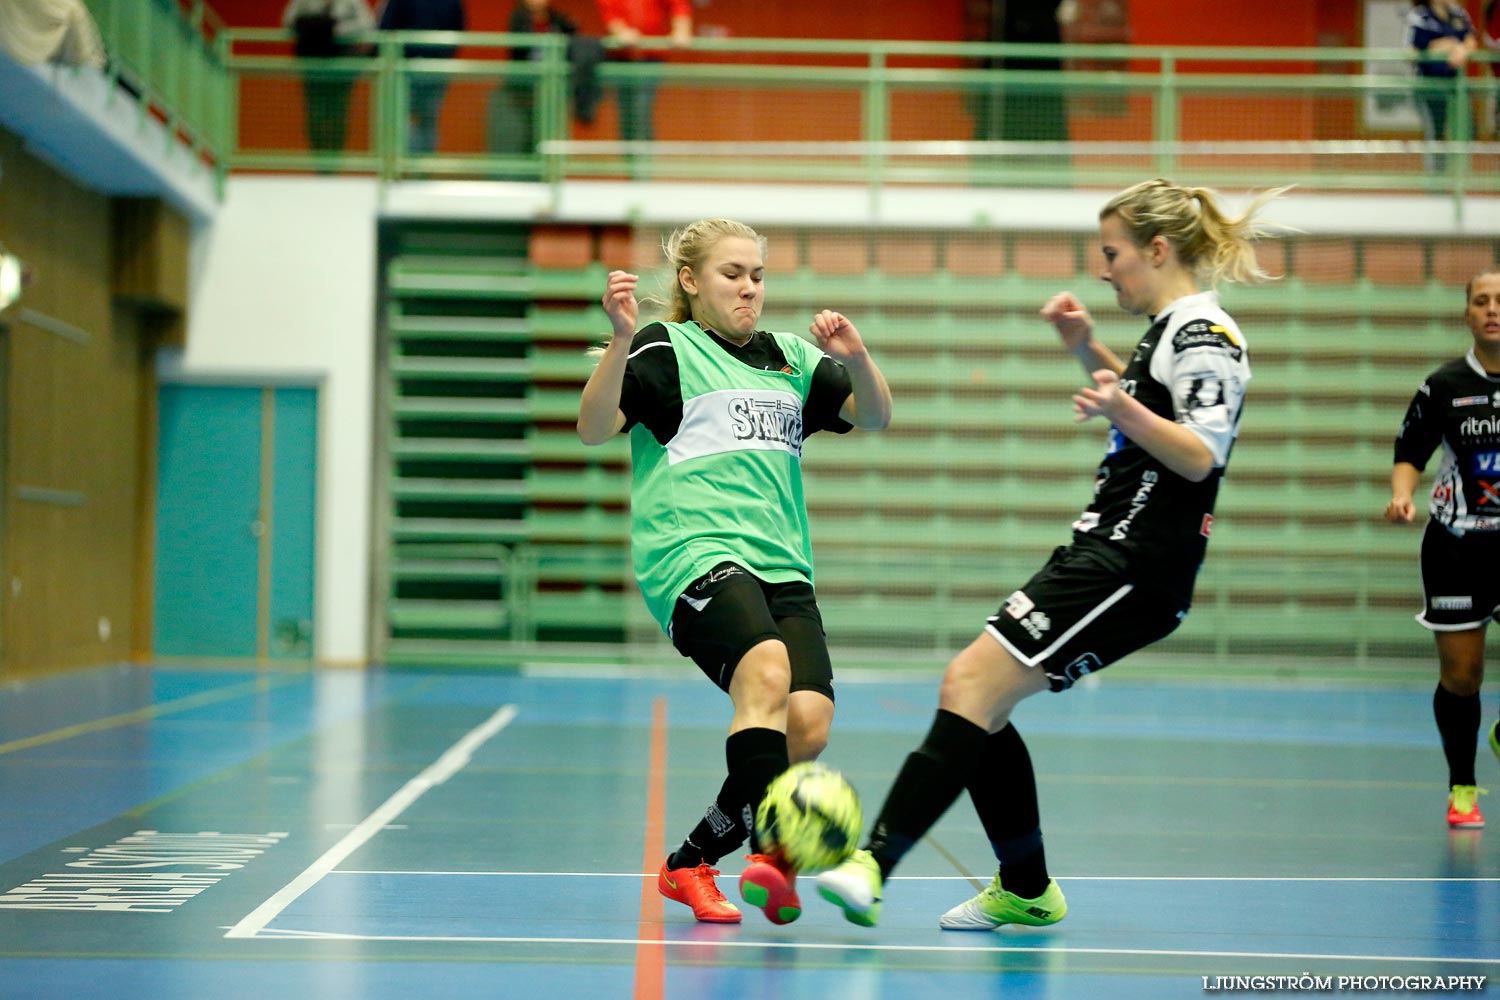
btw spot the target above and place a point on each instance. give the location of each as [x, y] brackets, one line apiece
[208, 493]
[293, 519]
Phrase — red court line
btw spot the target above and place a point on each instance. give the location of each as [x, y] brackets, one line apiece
[650, 958]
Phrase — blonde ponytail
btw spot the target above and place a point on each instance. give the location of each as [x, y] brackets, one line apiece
[1206, 240]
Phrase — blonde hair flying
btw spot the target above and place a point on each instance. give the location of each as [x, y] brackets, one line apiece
[1206, 240]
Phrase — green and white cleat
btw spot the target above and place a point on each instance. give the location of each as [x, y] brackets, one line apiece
[994, 907]
[854, 887]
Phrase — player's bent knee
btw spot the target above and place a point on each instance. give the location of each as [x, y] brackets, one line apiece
[984, 682]
[1463, 680]
[803, 746]
[806, 735]
[763, 678]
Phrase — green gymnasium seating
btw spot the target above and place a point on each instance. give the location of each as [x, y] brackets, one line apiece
[502, 537]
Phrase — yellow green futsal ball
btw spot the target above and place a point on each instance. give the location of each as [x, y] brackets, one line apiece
[811, 816]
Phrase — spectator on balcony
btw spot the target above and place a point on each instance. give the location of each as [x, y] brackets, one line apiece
[37, 31]
[1030, 112]
[1443, 35]
[1492, 42]
[322, 29]
[426, 91]
[512, 126]
[628, 21]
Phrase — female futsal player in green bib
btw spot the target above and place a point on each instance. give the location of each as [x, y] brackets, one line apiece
[717, 413]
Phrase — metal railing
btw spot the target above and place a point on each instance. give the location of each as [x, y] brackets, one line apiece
[891, 112]
[169, 56]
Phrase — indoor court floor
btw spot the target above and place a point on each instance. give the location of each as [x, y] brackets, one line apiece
[223, 834]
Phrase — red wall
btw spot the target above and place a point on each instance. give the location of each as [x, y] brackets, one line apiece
[271, 110]
[939, 19]
[1153, 22]
[1224, 23]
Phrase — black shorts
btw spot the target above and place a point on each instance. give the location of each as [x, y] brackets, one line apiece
[725, 612]
[1078, 615]
[1460, 581]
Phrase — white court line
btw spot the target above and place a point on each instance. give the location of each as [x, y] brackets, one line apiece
[826, 946]
[436, 773]
[963, 878]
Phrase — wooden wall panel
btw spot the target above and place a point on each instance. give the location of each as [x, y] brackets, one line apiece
[74, 435]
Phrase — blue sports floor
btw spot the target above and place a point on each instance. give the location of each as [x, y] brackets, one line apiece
[178, 833]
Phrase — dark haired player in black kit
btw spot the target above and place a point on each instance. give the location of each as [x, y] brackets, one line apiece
[1127, 578]
[1459, 407]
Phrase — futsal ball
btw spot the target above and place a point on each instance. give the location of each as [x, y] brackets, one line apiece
[811, 816]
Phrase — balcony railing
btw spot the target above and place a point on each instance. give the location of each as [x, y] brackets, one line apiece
[877, 113]
[168, 55]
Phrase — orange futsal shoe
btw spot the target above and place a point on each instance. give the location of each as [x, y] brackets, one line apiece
[769, 883]
[696, 888]
[1463, 807]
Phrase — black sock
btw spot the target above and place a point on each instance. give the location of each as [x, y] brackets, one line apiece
[929, 781]
[1003, 789]
[754, 758]
[1458, 724]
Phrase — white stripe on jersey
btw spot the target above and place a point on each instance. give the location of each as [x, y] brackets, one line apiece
[1082, 623]
[738, 420]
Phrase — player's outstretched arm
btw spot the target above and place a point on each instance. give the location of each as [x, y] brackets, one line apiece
[869, 405]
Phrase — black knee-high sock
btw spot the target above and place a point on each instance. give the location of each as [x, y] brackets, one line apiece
[754, 757]
[1458, 724]
[929, 781]
[1003, 788]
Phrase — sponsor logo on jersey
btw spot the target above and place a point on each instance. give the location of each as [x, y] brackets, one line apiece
[1036, 624]
[1479, 426]
[1018, 605]
[1137, 504]
[1489, 492]
[1115, 443]
[1085, 664]
[1486, 461]
[1201, 333]
[1471, 401]
[1452, 603]
[721, 573]
[1087, 521]
[1207, 525]
[774, 420]
[727, 420]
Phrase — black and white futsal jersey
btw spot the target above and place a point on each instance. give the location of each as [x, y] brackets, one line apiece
[1458, 407]
[1146, 521]
[651, 393]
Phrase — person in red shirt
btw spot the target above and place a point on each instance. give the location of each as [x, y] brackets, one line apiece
[627, 22]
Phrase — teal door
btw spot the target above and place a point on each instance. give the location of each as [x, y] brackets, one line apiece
[235, 512]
